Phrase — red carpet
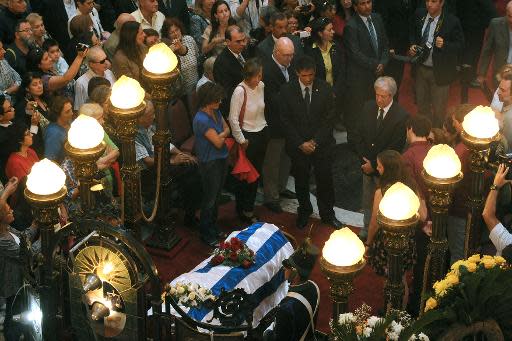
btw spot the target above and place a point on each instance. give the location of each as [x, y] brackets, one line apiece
[368, 286]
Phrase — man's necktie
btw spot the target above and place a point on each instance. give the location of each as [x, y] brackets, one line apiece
[426, 31]
[285, 73]
[307, 99]
[241, 60]
[373, 35]
[380, 118]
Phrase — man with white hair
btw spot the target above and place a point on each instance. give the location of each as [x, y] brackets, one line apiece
[98, 67]
[207, 72]
[276, 166]
[381, 126]
[111, 43]
[148, 15]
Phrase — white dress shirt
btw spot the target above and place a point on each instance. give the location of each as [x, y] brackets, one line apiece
[251, 16]
[254, 117]
[500, 237]
[156, 21]
[430, 38]
[82, 83]
[386, 109]
[303, 90]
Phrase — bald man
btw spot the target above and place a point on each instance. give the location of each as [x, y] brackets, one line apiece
[111, 43]
[98, 67]
[276, 166]
[497, 45]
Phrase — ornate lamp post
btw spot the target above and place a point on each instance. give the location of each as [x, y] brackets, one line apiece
[342, 260]
[480, 129]
[126, 105]
[45, 191]
[441, 173]
[161, 73]
[85, 146]
[397, 217]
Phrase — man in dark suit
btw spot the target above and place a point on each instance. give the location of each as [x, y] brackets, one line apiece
[474, 16]
[396, 15]
[227, 70]
[440, 33]
[56, 21]
[381, 127]
[15, 10]
[367, 51]
[307, 107]
[278, 24]
[276, 166]
[497, 45]
[175, 9]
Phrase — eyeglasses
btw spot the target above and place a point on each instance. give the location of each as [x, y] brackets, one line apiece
[102, 61]
[27, 30]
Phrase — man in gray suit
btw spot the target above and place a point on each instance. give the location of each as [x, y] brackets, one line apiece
[497, 45]
[278, 23]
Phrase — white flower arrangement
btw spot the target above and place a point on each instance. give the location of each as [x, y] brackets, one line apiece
[359, 326]
[189, 295]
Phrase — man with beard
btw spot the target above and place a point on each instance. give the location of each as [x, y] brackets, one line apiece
[16, 53]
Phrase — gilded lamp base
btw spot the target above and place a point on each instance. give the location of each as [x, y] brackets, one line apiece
[396, 241]
[341, 283]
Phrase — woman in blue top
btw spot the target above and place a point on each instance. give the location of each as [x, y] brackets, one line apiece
[55, 135]
[210, 131]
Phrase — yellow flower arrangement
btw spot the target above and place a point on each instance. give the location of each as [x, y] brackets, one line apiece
[453, 277]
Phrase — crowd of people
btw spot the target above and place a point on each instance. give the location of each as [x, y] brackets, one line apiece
[270, 78]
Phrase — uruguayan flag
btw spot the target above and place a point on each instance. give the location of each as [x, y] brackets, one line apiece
[264, 279]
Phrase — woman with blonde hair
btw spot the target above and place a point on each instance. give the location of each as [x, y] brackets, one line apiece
[38, 29]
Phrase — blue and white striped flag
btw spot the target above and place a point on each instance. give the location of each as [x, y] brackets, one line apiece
[264, 279]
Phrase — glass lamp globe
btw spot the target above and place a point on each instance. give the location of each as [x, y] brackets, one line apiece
[442, 162]
[45, 178]
[399, 202]
[481, 123]
[160, 59]
[85, 133]
[126, 93]
[344, 248]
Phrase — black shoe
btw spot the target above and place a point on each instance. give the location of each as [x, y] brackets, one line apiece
[302, 219]
[474, 84]
[248, 219]
[190, 221]
[333, 222]
[274, 207]
[287, 194]
[212, 242]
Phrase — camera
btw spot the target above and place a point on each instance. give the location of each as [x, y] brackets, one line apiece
[422, 53]
[305, 8]
[506, 160]
[498, 156]
[81, 47]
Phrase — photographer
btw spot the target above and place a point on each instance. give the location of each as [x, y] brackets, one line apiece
[436, 46]
[499, 235]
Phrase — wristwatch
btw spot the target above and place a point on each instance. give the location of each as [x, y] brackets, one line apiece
[494, 187]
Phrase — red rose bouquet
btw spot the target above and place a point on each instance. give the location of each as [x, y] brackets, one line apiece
[233, 253]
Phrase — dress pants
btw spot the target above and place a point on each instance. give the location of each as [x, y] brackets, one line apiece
[430, 97]
[245, 193]
[276, 169]
[369, 186]
[213, 174]
[321, 161]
